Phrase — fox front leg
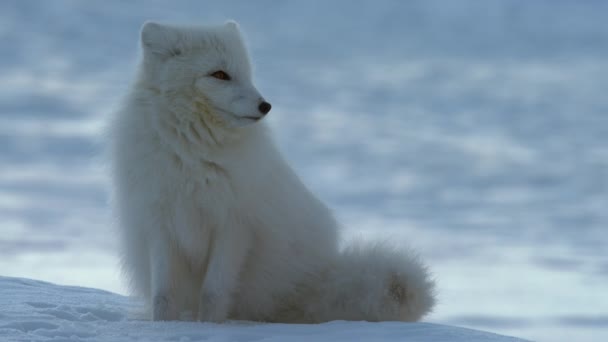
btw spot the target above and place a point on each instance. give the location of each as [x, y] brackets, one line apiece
[162, 301]
[228, 252]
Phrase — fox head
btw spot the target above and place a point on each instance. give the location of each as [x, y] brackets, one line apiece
[202, 74]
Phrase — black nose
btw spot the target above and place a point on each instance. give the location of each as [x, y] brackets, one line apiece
[264, 107]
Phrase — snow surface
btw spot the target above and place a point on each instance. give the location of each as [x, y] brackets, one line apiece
[38, 311]
[475, 131]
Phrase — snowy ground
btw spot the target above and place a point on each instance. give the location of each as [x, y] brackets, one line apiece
[37, 311]
[477, 131]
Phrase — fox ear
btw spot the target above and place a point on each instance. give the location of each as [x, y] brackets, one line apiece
[233, 25]
[159, 38]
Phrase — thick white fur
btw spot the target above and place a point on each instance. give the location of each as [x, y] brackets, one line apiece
[370, 281]
[215, 225]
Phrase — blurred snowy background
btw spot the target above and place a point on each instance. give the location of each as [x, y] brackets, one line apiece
[475, 131]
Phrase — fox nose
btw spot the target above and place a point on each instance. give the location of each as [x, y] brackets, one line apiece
[264, 107]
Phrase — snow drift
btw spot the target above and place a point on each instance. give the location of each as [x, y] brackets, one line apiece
[38, 311]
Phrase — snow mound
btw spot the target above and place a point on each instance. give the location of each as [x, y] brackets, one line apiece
[32, 310]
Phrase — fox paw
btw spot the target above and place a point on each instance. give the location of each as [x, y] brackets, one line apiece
[162, 309]
[212, 308]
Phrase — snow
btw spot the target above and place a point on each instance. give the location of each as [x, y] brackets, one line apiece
[39, 311]
[474, 131]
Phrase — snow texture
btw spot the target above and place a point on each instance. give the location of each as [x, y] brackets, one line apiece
[38, 311]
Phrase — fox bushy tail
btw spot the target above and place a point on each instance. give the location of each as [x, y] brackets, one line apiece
[368, 282]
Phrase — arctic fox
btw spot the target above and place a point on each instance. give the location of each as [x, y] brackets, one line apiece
[214, 224]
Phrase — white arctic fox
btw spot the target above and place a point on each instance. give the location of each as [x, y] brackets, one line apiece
[215, 225]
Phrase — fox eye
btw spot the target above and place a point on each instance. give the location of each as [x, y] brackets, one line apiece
[221, 75]
[175, 52]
